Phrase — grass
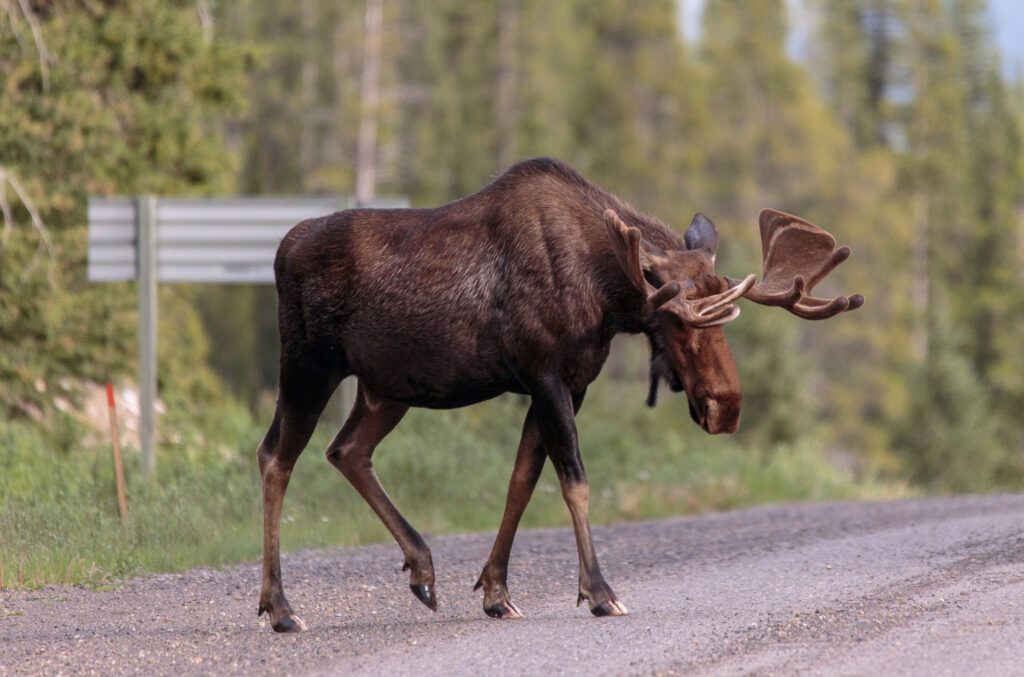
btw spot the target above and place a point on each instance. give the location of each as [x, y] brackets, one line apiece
[59, 521]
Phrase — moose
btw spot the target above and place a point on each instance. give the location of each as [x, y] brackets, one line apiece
[517, 288]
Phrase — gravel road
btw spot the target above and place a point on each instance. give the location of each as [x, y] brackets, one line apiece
[919, 587]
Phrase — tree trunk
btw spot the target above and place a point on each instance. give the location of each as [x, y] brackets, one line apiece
[366, 169]
[505, 102]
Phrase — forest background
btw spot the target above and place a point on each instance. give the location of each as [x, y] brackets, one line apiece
[897, 130]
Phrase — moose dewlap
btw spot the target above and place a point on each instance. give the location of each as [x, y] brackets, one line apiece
[517, 288]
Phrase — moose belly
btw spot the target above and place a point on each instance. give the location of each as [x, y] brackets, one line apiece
[435, 372]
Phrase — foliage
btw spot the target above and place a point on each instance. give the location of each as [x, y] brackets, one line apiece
[897, 132]
[918, 87]
[58, 507]
[111, 98]
[951, 437]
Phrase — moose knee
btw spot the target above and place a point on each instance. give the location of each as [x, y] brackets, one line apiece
[263, 458]
[348, 457]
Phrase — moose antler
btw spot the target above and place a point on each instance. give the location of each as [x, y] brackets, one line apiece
[703, 312]
[797, 255]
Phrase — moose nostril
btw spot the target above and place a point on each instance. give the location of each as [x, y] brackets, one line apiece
[711, 409]
[720, 416]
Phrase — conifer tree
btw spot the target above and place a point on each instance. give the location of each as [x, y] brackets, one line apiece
[962, 155]
[772, 144]
[114, 98]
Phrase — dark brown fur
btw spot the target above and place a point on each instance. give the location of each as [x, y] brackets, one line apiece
[468, 298]
[516, 288]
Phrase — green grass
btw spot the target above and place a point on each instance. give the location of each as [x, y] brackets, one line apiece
[446, 470]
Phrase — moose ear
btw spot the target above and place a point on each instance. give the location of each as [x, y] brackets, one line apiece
[702, 236]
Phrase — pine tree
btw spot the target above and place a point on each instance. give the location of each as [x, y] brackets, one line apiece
[962, 154]
[858, 42]
[854, 61]
[773, 144]
[989, 286]
[103, 99]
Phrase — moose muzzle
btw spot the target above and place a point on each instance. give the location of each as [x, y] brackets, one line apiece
[717, 415]
[705, 365]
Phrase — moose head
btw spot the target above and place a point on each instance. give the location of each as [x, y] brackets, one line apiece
[687, 302]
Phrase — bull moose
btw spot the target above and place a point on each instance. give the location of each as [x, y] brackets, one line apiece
[517, 288]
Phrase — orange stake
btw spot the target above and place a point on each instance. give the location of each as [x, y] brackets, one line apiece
[118, 467]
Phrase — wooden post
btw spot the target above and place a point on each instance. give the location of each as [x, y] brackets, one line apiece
[122, 501]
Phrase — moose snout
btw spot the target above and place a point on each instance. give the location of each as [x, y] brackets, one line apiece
[716, 415]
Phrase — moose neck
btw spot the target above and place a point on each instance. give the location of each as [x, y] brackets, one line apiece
[629, 303]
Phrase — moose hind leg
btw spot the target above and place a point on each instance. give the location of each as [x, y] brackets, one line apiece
[277, 454]
[372, 418]
[305, 386]
[494, 578]
[554, 409]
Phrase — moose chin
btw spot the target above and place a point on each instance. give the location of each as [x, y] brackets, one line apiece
[517, 288]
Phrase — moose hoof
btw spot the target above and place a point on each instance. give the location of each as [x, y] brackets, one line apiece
[610, 609]
[290, 623]
[425, 593]
[503, 610]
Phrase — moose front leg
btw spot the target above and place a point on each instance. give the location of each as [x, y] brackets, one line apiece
[554, 411]
[494, 578]
[527, 470]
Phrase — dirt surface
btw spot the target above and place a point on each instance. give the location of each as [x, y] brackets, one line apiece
[916, 587]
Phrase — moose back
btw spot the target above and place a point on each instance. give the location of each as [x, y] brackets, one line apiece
[518, 288]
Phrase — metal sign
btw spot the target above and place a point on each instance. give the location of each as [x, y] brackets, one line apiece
[152, 239]
[201, 240]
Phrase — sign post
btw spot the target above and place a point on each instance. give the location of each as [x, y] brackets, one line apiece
[213, 240]
[145, 227]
